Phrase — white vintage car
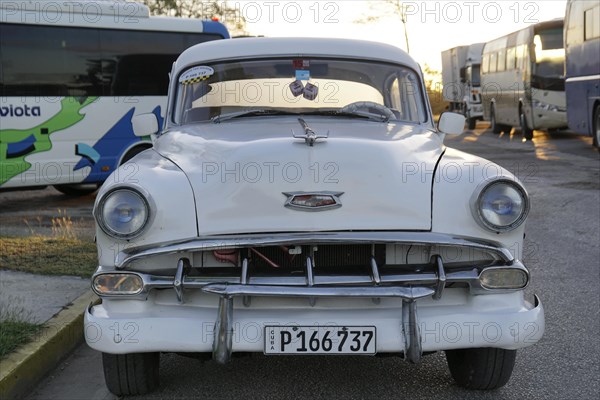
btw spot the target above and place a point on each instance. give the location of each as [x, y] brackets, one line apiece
[300, 201]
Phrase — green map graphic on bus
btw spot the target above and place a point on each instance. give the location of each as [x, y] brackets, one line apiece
[16, 144]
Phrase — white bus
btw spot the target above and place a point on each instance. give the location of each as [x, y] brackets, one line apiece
[523, 83]
[72, 75]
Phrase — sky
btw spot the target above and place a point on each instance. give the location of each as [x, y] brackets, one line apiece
[433, 26]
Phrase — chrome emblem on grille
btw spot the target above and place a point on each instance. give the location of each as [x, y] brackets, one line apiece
[313, 201]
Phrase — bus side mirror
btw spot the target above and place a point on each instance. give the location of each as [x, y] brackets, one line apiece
[144, 125]
[451, 123]
[463, 74]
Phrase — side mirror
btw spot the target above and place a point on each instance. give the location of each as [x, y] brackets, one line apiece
[451, 123]
[144, 125]
[463, 75]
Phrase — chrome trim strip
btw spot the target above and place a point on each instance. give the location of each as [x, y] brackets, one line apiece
[127, 256]
[178, 281]
[310, 279]
[244, 280]
[232, 290]
[582, 78]
[375, 271]
[441, 276]
[223, 331]
[412, 334]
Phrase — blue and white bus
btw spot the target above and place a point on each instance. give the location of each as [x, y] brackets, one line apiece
[72, 75]
[582, 46]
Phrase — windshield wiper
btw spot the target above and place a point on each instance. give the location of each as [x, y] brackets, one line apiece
[245, 113]
[355, 114]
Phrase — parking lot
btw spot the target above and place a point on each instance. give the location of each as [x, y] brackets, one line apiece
[562, 248]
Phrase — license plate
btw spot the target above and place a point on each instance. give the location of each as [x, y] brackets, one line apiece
[320, 340]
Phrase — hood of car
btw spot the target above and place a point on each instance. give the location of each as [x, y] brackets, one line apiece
[256, 176]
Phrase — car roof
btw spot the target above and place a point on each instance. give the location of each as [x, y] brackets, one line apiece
[241, 48]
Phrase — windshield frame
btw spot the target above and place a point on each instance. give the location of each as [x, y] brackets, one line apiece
[426, 119]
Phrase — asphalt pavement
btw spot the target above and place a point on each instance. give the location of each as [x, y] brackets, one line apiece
[562, 249]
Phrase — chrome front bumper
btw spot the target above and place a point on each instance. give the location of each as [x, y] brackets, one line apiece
[407, 286]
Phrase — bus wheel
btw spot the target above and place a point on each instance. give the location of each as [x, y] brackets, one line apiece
[525, 130]
[131, 374]
[77, 190]
[596, 127]
[494, 126]
[482, 369]
[472, 123]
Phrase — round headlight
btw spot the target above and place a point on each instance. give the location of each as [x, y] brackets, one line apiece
[123, 213]
[501, 206]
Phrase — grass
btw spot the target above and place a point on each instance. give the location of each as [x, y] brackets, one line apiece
[17, 326]
[14, 333]
[60, 254]
[57, 255]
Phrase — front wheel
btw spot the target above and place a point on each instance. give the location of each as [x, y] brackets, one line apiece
[131, 374]
[494, 126]
[525, 129]
[471, 123]
[482, 369]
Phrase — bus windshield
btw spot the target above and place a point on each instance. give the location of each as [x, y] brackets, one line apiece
[549, 53]
[474, 72]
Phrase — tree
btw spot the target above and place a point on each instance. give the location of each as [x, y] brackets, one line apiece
[386, 8]
[229, 15]
[433, 86]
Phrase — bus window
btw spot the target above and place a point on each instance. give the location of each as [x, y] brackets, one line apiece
[49, 61]
[475, 75]
[492, 62]
[501, 60]
[485, 64]
[131, 67]
[510, 58]
[592, 23]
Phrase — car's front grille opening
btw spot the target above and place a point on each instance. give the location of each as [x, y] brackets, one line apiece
[326, 258]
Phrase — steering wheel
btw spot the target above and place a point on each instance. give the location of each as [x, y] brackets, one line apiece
[381, 109]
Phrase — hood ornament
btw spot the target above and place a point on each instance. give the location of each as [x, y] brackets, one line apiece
[309, 136]
[313, 201]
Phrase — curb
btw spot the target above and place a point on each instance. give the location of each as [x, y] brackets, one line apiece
[27, 365]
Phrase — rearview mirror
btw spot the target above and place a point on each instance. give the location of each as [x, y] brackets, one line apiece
[144, 125]
[451, 123]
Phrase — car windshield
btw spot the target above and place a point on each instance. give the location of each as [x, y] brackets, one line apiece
[336, 87]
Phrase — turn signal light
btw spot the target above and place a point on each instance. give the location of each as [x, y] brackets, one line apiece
[503, 278]
[117, 284]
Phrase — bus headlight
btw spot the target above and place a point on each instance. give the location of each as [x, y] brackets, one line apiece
[501, 205]
[123, 213]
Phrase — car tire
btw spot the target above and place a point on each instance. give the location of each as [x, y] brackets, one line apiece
[77, 190]
[131, 374]
[596, 127]
[482, 368]
[526, 131]
[494, 126]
